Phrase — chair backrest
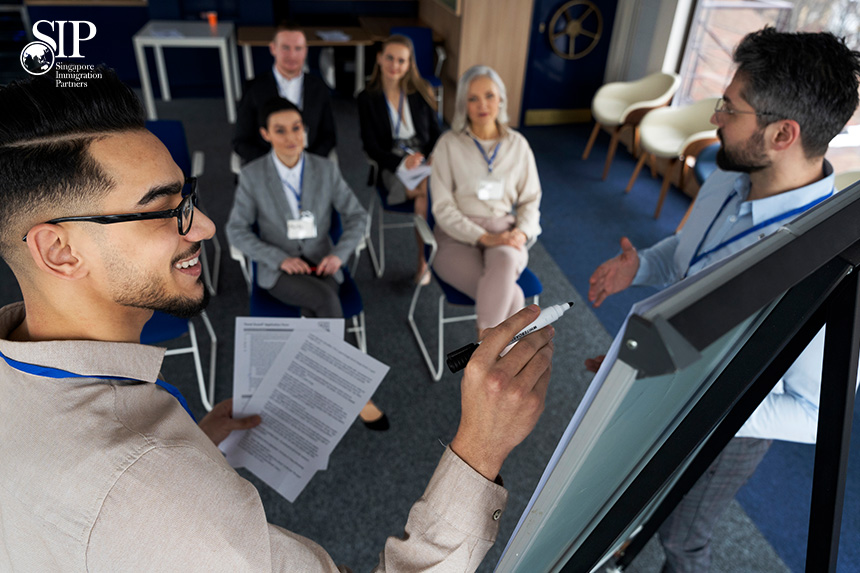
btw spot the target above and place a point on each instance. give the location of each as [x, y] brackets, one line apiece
[422, 40]
[652, 91]
[172, 135]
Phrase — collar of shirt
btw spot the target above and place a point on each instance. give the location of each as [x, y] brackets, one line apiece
[764, 209]
[291, 175]
[89, 358]
[290, 89]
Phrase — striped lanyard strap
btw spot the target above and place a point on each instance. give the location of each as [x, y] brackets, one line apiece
[698, 256]
[297, 193]
[490, 159]
[49, 372]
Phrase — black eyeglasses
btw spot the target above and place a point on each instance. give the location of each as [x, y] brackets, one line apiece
[184, 213]
[720, 107]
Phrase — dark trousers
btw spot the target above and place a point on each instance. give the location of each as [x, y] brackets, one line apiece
[316, 296]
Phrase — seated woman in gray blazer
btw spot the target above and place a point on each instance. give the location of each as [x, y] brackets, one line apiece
[486, 199]
[288, 196]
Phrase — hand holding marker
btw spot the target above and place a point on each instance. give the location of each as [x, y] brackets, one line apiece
[458, 359]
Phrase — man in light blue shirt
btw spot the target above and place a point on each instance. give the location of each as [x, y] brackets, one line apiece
[791, 94]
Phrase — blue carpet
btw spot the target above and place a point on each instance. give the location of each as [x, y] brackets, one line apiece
[583, 219]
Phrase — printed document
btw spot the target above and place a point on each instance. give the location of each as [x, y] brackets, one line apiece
[308, 398]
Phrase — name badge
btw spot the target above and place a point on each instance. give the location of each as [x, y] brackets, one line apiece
[491, 189]
[302, 228]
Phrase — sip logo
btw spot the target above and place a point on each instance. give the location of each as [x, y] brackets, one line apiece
[38, 57]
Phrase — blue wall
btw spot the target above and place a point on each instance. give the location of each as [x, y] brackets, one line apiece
[553, 82]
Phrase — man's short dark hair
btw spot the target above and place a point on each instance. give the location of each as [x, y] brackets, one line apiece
[46, 170]
[275, 105]
[287, 26]
[811, 78]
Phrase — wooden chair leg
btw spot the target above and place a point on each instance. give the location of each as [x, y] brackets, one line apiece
[636, 150]
[683, 172]
[591, 140]
[636, 171]
[653, 165]
[613, 145]
[664, 189]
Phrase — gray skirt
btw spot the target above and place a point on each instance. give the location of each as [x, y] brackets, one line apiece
[396, 188]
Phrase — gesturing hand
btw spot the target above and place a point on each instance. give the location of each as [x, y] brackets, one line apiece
[502, 398]
[218, 423]
[614, 275]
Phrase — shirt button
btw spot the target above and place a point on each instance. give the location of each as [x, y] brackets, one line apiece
[497, 514]
[732, 219]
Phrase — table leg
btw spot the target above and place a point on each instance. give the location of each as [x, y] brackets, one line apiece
[249, 62]
[162, 73]
[228, 82]
[359, 69]
[234, 64]
[145, 85]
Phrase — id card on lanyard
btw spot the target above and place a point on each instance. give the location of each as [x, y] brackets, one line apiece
[491, 187]
[305, 226]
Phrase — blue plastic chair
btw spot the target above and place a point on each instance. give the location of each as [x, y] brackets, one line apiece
[422, 41]
[528, 281]
[262, 303]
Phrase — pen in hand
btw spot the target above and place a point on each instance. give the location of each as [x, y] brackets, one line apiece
[458, 359]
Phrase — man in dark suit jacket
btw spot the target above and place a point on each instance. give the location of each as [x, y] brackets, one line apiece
[309, 93]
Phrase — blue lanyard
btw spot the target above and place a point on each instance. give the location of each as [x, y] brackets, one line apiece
[297, 193]
[49, 372]
[489, 159]
[698, 256]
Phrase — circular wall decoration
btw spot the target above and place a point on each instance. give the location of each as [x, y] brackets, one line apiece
[575, 29]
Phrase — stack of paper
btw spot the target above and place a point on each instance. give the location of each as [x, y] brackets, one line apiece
[307, 384]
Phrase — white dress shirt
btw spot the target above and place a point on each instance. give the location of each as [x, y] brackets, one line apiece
[292, 176]
[290, 89]
[713, 232]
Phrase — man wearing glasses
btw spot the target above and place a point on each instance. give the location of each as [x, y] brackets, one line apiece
[103, 468]
[791, 94]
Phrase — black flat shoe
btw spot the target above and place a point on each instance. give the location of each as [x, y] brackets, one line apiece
[378, 425]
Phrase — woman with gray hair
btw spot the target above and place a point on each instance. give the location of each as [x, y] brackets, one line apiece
[486, 199]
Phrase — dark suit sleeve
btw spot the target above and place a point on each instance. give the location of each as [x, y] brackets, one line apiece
[247, 142]
[317, 103]
[374, 130]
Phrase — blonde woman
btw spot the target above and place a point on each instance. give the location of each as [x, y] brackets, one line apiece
[486, 199]
[398, 124]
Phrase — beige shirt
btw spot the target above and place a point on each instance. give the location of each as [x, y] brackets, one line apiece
[107, 472]
[458, 167]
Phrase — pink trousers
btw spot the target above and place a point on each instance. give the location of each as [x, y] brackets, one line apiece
[488, 275]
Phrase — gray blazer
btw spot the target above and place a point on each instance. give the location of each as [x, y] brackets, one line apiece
[260, 199]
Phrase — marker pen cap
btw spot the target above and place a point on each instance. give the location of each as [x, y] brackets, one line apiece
[458, 359]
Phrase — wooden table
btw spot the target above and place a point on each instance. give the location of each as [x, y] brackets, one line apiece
[250, 36]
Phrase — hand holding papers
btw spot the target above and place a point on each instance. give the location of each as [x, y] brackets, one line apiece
[411, 178]
[308, 398]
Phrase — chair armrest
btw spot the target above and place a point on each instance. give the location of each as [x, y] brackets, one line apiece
[240, 257]
[198, 162]
[441, 56]
[235, 163]
[426, 234]
[374, 167]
